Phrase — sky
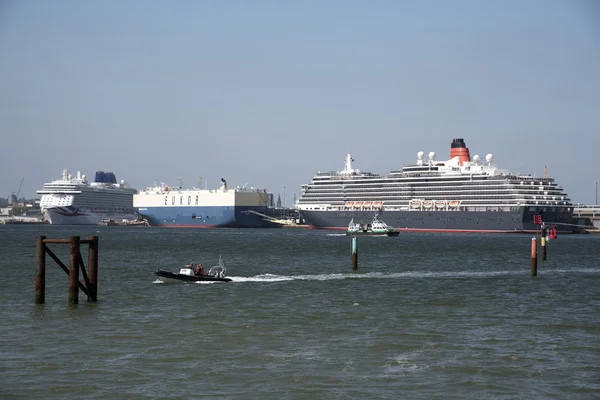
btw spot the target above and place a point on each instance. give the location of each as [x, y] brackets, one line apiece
[267, 93]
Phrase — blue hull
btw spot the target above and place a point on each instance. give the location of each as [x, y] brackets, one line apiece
[206, 217]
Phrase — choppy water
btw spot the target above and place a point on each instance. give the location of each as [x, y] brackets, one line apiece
[427, 316]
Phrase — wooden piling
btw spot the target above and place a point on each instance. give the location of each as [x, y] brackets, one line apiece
[84, 274]
[74, 270]
[40, 270]
[93, 268]
[543, 248]
[354, 253]
[533, 257]
[544, 233]
[90, 285]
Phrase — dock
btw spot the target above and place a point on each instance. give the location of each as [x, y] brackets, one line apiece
[588, 217]
[111, 222]
[287, 218]
[22, 220]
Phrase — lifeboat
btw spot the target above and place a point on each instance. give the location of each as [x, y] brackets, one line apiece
[349, 204]
[415, 203]
[358, 204]
[377, 204]
[367, 204]
[427, 204]
[454, 203]
[440, 204]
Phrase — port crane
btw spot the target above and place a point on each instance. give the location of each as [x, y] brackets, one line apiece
[15, 199]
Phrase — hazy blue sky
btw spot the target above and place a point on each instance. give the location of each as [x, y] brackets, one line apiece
[269, 92]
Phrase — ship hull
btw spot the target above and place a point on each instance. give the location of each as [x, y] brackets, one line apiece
[80, 216]
[519, 221]
[206, 217]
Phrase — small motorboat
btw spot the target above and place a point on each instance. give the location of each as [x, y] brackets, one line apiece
[188, 274]
[376, 228]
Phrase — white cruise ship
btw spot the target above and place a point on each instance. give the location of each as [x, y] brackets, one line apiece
[460, 194]
[72, 200]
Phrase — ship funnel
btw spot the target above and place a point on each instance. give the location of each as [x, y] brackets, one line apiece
[460, 150]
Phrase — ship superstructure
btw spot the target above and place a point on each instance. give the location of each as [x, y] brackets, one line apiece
[72, 200]
[458, 194]
[239, 207]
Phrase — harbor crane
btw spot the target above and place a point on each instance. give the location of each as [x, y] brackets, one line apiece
[15, 199]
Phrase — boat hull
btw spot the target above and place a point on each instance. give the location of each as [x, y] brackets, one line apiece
[207, 217]
[518, 221]
[189, 278]
[391, 234]
[80, 216]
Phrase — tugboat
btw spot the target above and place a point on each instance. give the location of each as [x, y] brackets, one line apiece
[376, 228]
[191, 273]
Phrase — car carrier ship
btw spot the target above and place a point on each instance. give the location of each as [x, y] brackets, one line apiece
[240, 207]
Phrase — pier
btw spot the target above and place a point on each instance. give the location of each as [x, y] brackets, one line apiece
[286, 217]
[587, 216]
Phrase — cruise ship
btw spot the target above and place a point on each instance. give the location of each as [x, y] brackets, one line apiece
[72, 200]
[243, 207]
[461, 194]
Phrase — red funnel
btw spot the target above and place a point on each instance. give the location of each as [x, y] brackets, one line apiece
[460, 150]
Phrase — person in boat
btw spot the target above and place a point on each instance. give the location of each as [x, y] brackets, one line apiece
[200, 270]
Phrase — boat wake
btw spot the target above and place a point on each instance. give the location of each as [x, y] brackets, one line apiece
[405, 275]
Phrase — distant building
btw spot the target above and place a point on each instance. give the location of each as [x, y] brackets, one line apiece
[271, 200]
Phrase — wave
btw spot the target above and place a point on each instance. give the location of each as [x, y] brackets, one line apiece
[401, 275]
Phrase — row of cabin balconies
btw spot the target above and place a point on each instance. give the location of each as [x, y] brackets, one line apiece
[377, 195]
[362, 188]
[307, 199]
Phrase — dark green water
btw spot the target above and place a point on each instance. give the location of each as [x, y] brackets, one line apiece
[427, 316]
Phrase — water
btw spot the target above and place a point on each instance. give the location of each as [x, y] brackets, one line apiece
[427, 316]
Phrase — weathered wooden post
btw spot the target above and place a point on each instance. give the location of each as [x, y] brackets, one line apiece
[354, 253]
[93, 268]
[544, 242]
[40, 270]
[74, 270]
[533, 257]
[90, 285]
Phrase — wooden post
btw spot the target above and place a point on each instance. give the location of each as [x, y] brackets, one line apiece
[93, 268]
[544, 233]
[354, 253]
[74, 270]
[543, 248]
[533, 257]
[40, 270]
